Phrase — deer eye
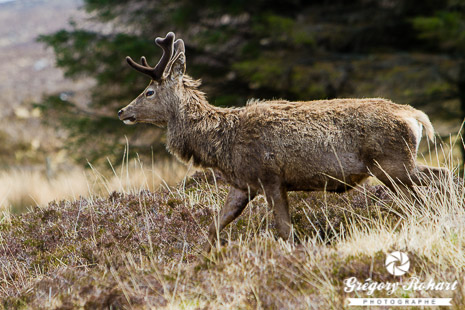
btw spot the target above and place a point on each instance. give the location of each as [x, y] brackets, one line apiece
[149, 93]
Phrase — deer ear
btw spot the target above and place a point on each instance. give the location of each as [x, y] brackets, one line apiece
[177, 67]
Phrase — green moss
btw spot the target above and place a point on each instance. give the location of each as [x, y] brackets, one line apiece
[17, 303]
[172, 202]
[34, 243]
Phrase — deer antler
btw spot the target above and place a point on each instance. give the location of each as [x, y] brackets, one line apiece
[156, 73]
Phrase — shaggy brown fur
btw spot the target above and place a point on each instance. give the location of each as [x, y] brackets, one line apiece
[277, 146]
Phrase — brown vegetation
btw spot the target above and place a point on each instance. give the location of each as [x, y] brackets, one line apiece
[142, 250]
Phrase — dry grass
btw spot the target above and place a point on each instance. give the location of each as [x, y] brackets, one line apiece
[142, 249]
[20, 188]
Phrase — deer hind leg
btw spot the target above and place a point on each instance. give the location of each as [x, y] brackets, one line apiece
[440, 177]
[420, 175]
[235, 203]
[402, 177]
[427, 175]
[276, 197]
[399, 180]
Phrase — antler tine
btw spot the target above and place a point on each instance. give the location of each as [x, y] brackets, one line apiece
[143, 61]
[141, 68]
[167, 45]
[156, 72]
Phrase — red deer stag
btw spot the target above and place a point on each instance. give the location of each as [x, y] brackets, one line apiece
[277, 146]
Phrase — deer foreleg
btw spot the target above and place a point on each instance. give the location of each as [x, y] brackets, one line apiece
[235, 203]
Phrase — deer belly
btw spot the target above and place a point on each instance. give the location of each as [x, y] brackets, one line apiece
[332, 173]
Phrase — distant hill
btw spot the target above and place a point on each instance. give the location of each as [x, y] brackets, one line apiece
[27, 71]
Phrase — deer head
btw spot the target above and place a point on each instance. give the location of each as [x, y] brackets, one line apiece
[155, 103]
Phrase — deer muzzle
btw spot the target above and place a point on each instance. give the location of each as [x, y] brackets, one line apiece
[127, 117]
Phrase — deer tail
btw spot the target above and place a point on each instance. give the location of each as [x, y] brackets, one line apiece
[423, 119]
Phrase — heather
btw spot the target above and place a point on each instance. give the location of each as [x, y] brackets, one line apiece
[143, 249]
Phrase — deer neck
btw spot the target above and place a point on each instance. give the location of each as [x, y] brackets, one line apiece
[202, 132]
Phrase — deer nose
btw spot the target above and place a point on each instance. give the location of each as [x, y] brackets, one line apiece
[120, 112]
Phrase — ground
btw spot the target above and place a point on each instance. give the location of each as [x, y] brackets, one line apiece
[142, 250]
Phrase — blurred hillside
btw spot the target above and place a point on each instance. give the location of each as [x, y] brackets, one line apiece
[241, 50]
[35, 168]
[27, 71]
[60, 95]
